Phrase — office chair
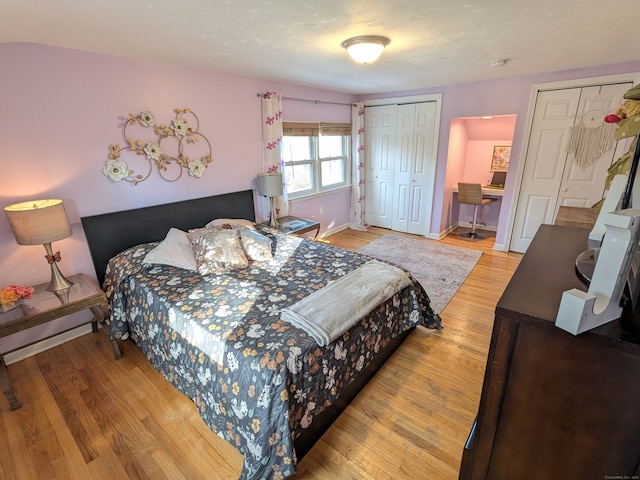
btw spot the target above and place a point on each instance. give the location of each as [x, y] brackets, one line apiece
[471, 194]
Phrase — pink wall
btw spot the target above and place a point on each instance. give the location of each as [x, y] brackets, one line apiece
[508, 96]
[456, 159]
[62, 108]
[471, 143]
[478, 162]
[483, 135]
[476, 170]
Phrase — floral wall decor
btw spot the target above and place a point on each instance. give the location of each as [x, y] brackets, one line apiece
[165, 148]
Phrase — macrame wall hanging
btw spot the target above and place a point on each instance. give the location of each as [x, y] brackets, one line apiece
[590, 137]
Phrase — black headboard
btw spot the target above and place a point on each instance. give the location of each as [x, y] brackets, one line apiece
[110, 233]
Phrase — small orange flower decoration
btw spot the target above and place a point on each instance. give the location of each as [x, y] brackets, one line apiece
[10, 294]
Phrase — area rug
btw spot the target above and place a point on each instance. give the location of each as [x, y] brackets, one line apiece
[440, 269]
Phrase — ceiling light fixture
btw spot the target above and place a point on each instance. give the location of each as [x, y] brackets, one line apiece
[499, 63]
[366, 48]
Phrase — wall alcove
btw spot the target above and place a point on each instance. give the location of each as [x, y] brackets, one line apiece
[472, 141]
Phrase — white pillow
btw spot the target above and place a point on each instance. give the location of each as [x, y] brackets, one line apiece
[174, 250]
[234, 222]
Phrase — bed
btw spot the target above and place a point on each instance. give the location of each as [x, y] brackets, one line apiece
[258, 381]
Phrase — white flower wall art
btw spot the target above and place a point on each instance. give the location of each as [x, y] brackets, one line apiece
[160, 146]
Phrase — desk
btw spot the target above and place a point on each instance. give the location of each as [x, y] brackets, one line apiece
[487, 191]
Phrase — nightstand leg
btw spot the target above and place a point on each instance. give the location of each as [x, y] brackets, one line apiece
[97, 317]
[6, 386]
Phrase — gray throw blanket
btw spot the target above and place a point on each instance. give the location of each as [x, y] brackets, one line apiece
[329, 312]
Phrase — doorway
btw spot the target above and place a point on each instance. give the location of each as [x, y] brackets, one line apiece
[473, 142]
[400, 158]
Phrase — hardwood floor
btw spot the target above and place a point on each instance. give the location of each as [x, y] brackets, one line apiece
[87, 416]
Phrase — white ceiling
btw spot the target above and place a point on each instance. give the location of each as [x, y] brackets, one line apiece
[433, 42]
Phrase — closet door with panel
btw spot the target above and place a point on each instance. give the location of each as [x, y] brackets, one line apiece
[400, 146]
[551, 178]
[380, 152]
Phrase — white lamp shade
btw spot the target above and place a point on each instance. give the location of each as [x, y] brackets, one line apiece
[39, 221]
[269, 184]
[366, 48]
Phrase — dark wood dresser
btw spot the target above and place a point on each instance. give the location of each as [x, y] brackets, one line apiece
[554, 405]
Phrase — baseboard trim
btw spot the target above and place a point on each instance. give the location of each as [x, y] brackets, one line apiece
[331, 231]
[435, 236]
[500, 247]
[39, 347]
[489, 228]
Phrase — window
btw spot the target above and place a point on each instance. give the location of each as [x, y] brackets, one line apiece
[316, 157]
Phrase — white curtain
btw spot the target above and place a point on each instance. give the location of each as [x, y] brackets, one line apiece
[272, 142]
[357, 220]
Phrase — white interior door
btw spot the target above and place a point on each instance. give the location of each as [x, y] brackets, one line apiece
[550, 179]
[403, 167]
[584, 187]
[544, 164]
[380, 151]
[401, 147]
[423, 169]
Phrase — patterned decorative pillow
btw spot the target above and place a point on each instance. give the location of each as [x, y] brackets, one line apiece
[217, 250]
[256, 246]
[234, 222]
[174, 250]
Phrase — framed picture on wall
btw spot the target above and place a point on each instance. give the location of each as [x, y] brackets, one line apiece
[500, 158]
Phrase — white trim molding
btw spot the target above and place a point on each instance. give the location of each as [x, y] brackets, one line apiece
[39, 347]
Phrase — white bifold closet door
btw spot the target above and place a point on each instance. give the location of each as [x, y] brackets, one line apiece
[400, 157]
[551, 178]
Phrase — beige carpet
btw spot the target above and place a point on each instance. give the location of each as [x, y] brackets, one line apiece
[440, 269]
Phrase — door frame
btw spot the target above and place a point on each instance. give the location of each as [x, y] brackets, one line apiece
[431, 97]
[633, 77]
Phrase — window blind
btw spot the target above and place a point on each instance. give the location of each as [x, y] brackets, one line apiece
[301, 129]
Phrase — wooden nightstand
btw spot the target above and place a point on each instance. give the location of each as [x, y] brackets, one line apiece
[44, 306]
[296, 226]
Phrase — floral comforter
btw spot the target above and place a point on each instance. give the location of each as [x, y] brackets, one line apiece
[256, 380]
